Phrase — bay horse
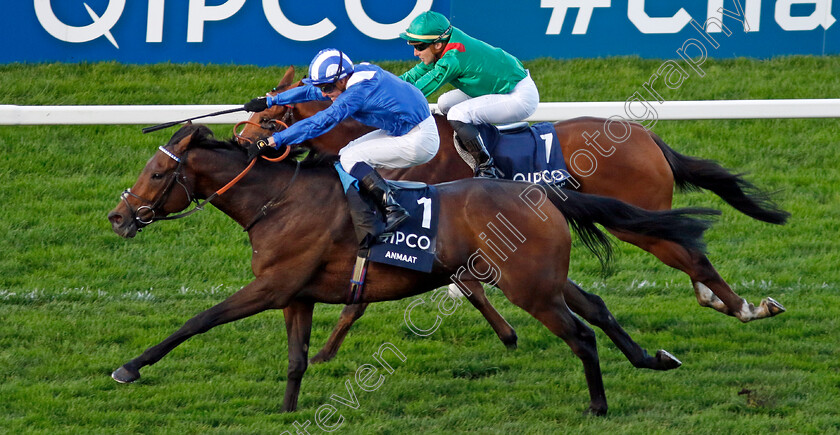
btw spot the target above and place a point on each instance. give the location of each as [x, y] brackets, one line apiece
[304, 247]
[640, 170]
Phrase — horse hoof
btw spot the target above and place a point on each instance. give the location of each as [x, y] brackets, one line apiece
[596, 411]
[773, 306]
[511, 341]
[666, 360]
[320, 358]
[124, 375]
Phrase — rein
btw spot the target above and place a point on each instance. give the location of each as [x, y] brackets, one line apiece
[272, 125]
[273, 201]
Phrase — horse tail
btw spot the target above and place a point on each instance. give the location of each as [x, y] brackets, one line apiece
[583, 210]
[696, 173]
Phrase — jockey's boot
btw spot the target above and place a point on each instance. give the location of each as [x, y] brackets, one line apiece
[471, 142]
[484, 165]
[379, 190]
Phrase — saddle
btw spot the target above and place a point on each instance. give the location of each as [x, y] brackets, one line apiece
[412, 245]
[525, 152]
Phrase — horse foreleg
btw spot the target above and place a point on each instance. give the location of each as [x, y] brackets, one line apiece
[248, 301]
[349, 315]
[592, 309]
[478, 298]
[298, 327]
[709, 287]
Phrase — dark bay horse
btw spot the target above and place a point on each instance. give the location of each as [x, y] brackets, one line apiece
[640, 170]
[304, 248]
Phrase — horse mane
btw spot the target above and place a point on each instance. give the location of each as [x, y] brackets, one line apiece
[188, 129]
[316, 159]
[205, 139]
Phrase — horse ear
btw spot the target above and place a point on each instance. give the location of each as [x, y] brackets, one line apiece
[287, 78]
[182, 145]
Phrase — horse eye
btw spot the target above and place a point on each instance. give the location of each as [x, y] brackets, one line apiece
[157, 176]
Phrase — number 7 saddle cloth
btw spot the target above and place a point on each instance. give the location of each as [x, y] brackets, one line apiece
[526, 153]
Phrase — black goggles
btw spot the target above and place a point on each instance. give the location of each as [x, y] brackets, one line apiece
[326, 87]
[420, 46]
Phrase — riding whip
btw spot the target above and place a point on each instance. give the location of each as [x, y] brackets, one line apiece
[170, 124]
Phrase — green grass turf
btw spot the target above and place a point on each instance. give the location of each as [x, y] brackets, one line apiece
[76, 301]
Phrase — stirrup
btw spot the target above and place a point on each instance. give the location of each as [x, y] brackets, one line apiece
[393, 219]
[488, 171]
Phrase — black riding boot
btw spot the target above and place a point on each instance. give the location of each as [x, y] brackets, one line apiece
[472, 143]
[384, 197]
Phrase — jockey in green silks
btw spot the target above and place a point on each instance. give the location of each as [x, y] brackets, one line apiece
[491, 86]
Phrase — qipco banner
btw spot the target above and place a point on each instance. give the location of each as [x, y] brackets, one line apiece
[281, 32]
[665, 29]
[262, 32]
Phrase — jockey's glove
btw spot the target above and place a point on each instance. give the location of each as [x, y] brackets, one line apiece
[256, 105]
[258, 148]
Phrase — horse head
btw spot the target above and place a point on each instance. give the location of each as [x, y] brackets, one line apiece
[276, 118]
[162, 188]
[213, 168]
[262, 124]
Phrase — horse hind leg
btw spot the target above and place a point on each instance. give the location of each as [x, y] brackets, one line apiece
[551, 310]
[592, 309]
[581, 339]
[710, 288]
[349, 315]
[712, 291]
[478, 298]
[706, 297]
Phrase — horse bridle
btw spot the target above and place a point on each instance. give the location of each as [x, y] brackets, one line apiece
[271, 125]
[177, 176]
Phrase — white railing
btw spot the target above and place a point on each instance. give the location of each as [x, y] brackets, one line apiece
[669, 110]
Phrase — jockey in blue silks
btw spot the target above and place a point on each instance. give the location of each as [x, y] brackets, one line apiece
[406, 135]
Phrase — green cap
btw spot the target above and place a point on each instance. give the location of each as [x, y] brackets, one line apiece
[429, 27]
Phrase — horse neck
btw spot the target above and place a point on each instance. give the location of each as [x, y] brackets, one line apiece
[214, 169]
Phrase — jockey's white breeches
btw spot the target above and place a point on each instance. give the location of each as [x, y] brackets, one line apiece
[493, 108]
[380, 150]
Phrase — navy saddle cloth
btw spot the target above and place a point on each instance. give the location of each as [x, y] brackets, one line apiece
[526, 153]
[412, 244]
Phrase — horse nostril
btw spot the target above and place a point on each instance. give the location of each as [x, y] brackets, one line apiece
[115, 218]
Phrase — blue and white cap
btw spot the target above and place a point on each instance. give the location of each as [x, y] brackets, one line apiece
[328, 66]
